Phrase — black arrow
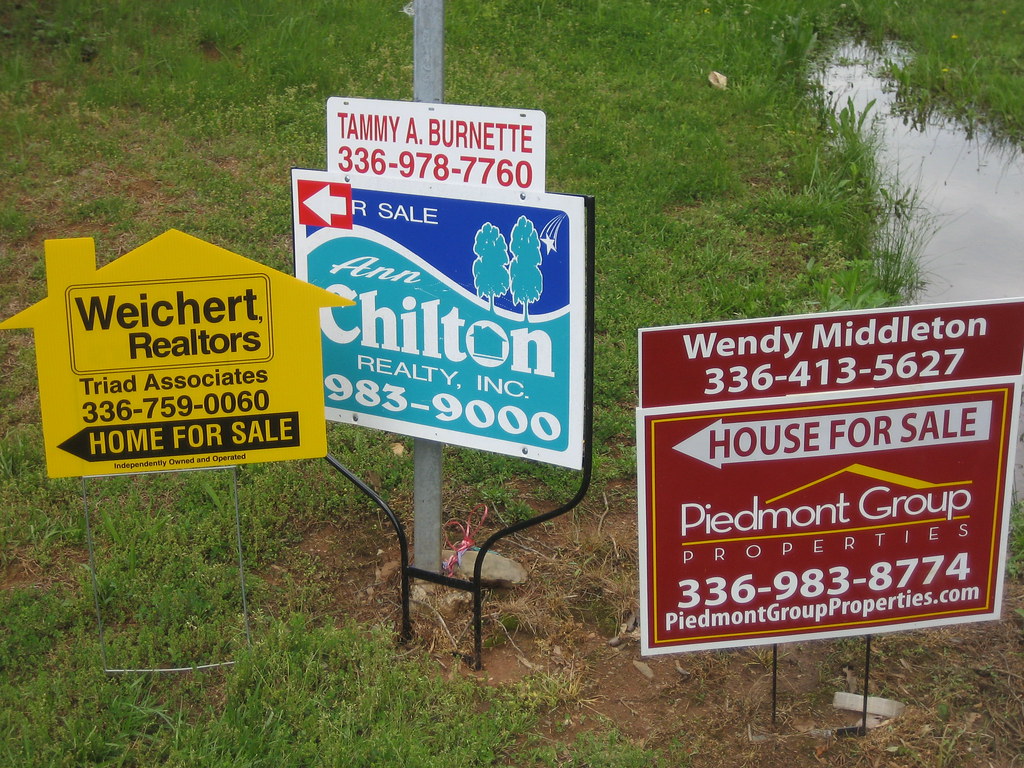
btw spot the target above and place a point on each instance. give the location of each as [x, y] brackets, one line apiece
[183, 438]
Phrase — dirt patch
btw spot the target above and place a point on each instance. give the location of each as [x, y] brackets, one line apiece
[568, 637]
[22, 571]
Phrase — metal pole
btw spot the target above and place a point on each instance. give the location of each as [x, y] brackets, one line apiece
[428, 51]
[427, 85]
[426, 531]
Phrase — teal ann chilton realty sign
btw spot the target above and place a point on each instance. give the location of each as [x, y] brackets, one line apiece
[470, 314]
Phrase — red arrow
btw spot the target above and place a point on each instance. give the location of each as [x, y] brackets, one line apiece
[324, 203]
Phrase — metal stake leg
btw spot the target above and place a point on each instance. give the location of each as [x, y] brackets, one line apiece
[775, 682]
[867, 678]
[862, 729]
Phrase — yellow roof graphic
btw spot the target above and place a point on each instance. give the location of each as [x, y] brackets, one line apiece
[874, 473]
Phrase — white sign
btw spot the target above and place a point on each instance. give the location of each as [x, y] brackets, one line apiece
[450, 144]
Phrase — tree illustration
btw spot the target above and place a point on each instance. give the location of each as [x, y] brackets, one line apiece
[524, 269]
[490, 270]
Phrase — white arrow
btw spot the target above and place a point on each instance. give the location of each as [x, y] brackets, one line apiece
[740, 442]
[325, 205]
[698, 445]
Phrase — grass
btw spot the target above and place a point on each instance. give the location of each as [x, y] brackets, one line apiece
[303, 696]
[122, 120]
[1015, 560]
[966, 60]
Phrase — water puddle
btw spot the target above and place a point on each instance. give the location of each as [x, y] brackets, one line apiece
[971, 188]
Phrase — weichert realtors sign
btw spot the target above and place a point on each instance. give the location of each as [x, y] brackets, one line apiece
[177, 355]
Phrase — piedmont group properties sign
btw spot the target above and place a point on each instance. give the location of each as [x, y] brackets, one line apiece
[469, 327]
[825, 475]
[177, 355]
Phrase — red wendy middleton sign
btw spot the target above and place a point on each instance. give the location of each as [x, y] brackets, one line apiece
[830, 352]
[831, 512]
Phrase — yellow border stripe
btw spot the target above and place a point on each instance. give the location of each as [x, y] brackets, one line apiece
[824, 533]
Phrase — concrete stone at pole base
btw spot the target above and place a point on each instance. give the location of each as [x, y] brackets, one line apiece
[498, 570]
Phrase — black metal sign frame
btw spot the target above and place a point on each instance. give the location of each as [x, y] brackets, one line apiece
[475, 584]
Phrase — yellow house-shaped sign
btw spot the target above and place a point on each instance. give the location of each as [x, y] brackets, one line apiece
[177, 355]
